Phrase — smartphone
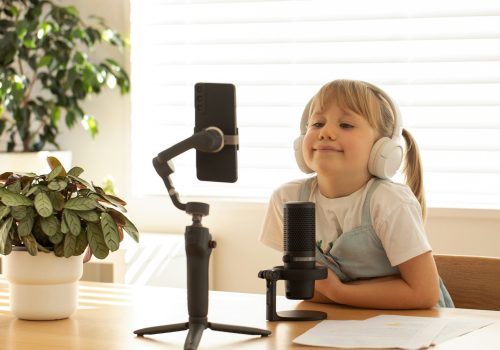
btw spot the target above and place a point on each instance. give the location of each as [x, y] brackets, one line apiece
[215, 105]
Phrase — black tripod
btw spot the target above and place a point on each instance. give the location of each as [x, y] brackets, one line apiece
[199, 245]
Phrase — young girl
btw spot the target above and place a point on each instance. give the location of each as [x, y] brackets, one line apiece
[370, 230]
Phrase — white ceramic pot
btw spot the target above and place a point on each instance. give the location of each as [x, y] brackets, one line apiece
[42, 287]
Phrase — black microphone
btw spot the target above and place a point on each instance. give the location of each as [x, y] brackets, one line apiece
[299, 247]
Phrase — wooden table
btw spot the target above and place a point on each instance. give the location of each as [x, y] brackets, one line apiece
[109, 313]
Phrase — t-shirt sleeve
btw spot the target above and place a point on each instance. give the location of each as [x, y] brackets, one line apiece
[271, 233]
[400, 227]
[272, 228]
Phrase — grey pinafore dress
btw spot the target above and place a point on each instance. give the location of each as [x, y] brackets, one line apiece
[359, 253]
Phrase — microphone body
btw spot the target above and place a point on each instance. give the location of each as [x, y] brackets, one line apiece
[299, 241]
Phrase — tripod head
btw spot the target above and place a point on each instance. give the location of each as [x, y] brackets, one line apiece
[197, 210]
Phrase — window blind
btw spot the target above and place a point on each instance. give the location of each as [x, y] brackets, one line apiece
[439, 60]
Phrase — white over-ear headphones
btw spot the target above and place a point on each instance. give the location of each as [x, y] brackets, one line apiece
[386, 154]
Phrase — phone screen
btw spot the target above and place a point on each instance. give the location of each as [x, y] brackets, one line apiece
[215, 105]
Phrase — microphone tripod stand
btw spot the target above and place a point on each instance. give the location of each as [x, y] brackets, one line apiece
[198, 245]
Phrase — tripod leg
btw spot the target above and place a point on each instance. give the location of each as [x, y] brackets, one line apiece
[238, 329]
[194, 336]
[163, 329]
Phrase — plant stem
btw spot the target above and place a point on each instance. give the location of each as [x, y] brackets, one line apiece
[27, 94]
[24, 102]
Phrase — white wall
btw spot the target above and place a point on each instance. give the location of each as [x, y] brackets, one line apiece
[238, 256]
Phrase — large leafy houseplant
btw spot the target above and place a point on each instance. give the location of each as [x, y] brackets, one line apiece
[46, 71]
[60, 212]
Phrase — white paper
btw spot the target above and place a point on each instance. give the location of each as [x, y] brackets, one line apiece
[455, 327]
[458, 327]
[390, 331]
[397, 332]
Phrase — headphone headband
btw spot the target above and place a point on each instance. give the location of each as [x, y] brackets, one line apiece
[398, 126]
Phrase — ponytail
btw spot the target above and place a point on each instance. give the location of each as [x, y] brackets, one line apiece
[412, 170]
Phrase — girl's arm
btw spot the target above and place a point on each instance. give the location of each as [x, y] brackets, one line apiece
[416, 288]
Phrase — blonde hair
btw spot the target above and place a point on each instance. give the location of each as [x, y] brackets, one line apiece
[377, 107]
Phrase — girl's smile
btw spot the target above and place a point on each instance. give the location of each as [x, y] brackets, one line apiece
[326, 148]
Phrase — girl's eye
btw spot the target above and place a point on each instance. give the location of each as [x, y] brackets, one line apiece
[316, 125]
[346, 126]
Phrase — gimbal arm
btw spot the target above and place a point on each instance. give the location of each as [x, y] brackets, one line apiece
[208, 140]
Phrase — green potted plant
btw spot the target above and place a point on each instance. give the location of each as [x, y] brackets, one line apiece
[54, 217]
[46, 71]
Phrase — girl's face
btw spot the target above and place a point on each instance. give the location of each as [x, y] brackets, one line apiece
[338, 143]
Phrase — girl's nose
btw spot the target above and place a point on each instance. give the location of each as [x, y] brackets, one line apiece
[327, 133]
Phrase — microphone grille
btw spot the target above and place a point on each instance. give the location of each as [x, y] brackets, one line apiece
[299, 226]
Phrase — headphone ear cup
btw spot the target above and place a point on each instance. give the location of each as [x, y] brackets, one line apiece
[297, 144]
[385, 158]
[299, 156]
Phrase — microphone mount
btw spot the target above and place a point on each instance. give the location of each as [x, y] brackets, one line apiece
[280, 273]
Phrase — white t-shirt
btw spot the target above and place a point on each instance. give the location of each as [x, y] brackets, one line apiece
[396, 217]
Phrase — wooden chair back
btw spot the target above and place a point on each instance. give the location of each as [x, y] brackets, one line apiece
[472, 281]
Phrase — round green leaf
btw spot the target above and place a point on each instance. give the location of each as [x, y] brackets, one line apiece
[57, 200]
[57, 185]
[117, 202]
[131, 230]
[15, 187]
[81, 204]
[50, 225]
[56, 166]
[43, 205]
[59, 250]
[44, 61]
[25, 226]
[75, 171]
[69, 245]
[80, 181]
[33, 190]
[72, 10]
[18, 212]
[57, 238]
[57, 171]
[96, 241]
[81, 244]
[110, 232]
[30, 244]
[64, 226]
[125, 223]
[4, 211]
[6, 246]
[72, 221]
[4, 233]
[89, 215]
[14, 199]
